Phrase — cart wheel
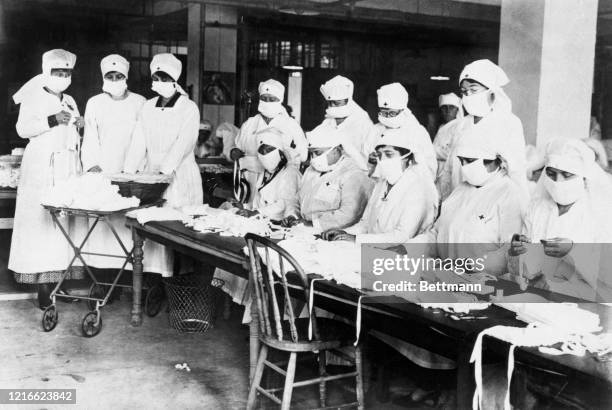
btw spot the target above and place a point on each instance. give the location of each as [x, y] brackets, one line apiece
[49, 318]
[154, 300]
[95, 291]
[89, 326]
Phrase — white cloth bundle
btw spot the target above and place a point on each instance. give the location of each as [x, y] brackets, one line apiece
[549, 323]
[156, 214]
[227, 223]
[90, 191]
[339, 261]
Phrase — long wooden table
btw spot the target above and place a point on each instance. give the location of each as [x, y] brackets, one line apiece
[436, 332]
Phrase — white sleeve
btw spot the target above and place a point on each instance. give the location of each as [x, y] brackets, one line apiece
[409, 226]
[428, 152]
[185, 142]
[286, 202]
[137, 149]
[90, 151]
[31, 121]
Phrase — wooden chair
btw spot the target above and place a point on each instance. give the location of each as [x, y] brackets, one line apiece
[279, 329]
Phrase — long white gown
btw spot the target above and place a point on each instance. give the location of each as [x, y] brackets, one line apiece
[109, 125]
[165, 137]
[39, 251]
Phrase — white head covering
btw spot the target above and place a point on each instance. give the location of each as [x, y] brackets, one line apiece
[393, 96]
[474, 145]
[449, 99]
[52, 59]
[535, 159]
[271, 136]
[272, 87]
[397, 137]
[486, 73]
[170, 65]
[167, 63]
[114, 62]
[491, 76]
[338, 88]
[570, 155]
[601, 157]
[322, 137]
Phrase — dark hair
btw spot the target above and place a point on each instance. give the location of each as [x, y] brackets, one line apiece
[496, 160]
[163, 75]
[471, 81]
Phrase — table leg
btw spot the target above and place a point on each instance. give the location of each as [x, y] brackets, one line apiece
[137, 274]
[465, 377]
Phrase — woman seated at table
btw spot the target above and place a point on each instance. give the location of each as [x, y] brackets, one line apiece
[334, 191]
[275, 198]
[482, 213]
[569, 213]
[277, 186]
[404, 202]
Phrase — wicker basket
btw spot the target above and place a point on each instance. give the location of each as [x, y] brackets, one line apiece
[147, 193]
[192, 302]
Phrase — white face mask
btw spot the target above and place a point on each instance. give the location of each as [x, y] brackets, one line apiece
[165, 89]
[477, 104]
[271, 160]
[115, 88]
[321, 163]
[58, 84]
[475, 173]
[565, 192]
[391, 168]
[270, 109]
[391, 122]
[338, 112]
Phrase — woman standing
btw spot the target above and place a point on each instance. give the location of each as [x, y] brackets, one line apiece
[164, 139]
[50, 120]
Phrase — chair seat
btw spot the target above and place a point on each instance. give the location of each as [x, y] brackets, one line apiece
[333, 334]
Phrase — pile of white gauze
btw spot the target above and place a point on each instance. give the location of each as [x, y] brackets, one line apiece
[91, 191]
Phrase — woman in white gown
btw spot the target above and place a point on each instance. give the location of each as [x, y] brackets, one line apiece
[110, 119]
[49, 119]
[564, 243]
[164, 138]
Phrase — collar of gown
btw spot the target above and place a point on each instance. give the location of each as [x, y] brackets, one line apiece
[170, 104]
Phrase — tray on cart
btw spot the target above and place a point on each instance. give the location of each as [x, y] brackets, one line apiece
[101, 213]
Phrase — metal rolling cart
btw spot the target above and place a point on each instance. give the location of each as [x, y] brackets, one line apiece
[97, 297]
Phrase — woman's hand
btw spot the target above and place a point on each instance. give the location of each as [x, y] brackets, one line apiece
[557, 247]
[79, 122]
[290, 221]
[95, 169]
[246, 213]
[345, 237]
[330, 234]
[518, 245]
[63, 117]
[236, 154]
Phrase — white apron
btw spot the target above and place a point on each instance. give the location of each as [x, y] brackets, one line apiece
[165, 138]
[37, 244]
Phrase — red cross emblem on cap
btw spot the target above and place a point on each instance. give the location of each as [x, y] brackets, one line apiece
[386, 104]
[114, 63]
